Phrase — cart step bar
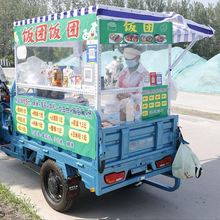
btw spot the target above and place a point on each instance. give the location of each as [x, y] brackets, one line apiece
[162, 186]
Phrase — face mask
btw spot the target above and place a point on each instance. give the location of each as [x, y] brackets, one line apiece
[131, 63]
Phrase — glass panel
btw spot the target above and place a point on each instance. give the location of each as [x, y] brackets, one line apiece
[51, 66]
[57, 71]
[124, 69]
[139, 59]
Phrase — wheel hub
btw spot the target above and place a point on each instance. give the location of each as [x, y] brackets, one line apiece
[53, 185]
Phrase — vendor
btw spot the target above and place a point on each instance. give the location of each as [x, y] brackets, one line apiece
[134, 74]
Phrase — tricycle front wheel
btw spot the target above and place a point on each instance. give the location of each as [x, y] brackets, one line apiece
[58, 192]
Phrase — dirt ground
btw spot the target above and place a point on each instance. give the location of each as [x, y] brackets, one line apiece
[8, 212]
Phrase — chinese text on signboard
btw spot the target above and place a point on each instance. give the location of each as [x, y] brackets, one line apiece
[124, 32]
[68, 126]
[154, 102]
[67, 29]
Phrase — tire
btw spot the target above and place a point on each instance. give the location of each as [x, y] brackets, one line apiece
[58, 192]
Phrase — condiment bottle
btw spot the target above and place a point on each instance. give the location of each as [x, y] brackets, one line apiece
[57, 77]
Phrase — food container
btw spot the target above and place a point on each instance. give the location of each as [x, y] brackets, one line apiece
[147, 38]
[115, 38]
[76, 80]
[131, 38]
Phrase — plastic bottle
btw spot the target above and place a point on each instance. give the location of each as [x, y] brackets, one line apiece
[130, 110]
[67, 72]
[137, 112]
[159, 79]
[146, 79]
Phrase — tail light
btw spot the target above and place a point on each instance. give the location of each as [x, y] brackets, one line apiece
[164, 162]
[114, 177]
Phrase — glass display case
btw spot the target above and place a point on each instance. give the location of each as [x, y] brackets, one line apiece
[57, 71]
[104, 64]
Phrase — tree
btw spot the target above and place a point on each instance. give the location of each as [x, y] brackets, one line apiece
[181, 7]
[214, 17]
[203, 15]
[63, 5]
[155, 5]
[136, 4]
[12, 10]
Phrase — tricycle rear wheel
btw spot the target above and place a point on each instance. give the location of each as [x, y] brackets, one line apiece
[58, 192]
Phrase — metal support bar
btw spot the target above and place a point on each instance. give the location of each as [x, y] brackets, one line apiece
[181, 56]
[98, 73]
[124, 143]
[164, 187]
[16, 74]
[159, 135]
[172, 65]
[169, 76]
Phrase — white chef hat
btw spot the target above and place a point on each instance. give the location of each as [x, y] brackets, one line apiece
[131, 53]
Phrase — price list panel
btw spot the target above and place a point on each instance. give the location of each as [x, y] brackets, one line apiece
[154, 102]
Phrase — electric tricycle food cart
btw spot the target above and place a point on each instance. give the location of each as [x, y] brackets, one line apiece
[75, 115]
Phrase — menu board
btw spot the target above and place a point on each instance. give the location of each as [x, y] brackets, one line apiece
[154, 102]
[68, 126]
[126, 32]
[62, 30]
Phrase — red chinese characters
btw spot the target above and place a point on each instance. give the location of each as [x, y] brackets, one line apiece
[41, 33]
[73, 29]
[54, 32]
[28, 35]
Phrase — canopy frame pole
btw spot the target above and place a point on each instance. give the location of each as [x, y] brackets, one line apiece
[98, 72]
[16, 74]
[171, 67]
[169, 75]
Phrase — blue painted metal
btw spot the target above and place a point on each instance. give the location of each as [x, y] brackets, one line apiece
[164, 187]
[130, 147]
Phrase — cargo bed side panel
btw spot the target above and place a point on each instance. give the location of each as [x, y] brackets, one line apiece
[135, 148]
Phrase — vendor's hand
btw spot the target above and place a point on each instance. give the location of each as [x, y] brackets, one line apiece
[122, 96]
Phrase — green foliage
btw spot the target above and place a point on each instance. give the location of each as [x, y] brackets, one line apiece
[181, 7]
[155, 5]
[11, 10]
[195, 11]
[63, 5]
[134, 4]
